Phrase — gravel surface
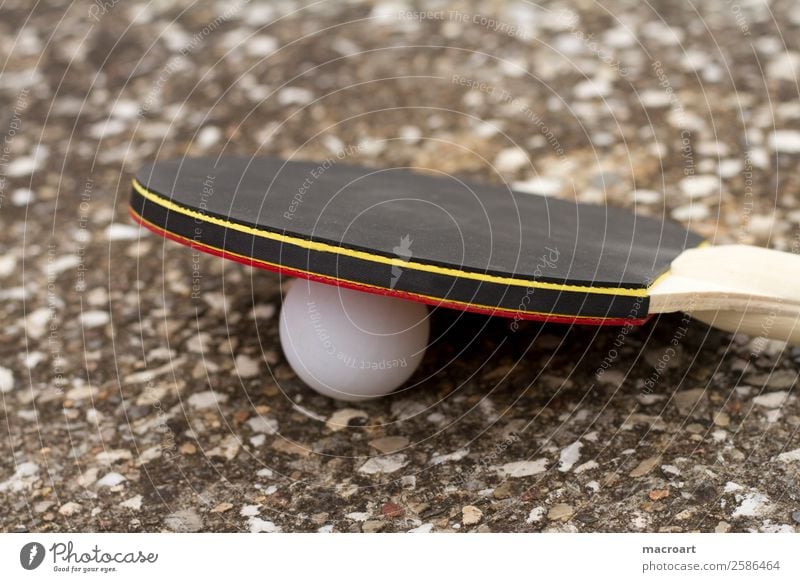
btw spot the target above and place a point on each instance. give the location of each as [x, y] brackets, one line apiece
[143, 387]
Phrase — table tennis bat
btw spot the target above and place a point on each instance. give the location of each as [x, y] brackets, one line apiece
[463, 245]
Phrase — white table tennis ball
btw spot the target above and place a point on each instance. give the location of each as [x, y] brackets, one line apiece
[351, 345]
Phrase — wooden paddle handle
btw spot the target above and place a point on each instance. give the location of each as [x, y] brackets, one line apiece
[737, 288]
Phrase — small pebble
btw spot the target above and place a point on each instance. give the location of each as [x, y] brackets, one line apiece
[658, 494]
[134, 503]
[207, 399]
[523, 468]
[262, 424]
[69, 509]
[210, 135]
[91, 319]
[536, 514]
[722, 419]
[389, 444]
[111, 480]
[184, 521]
[772, 399]
[470, 515]
[392, 511]
[569, 456]
[785, 141]
[124, 232]
[645, 467]
[699, 186]
[560, 512]
[383, 465]
[511, 160]
[22, 197]
[6, 380]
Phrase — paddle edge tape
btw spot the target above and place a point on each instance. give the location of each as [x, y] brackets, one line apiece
[430, 284]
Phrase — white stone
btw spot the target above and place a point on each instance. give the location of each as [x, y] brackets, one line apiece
[295, 96]
[227, 448]
[111, 479]
[82, 392]
[569, 456]
[218, 301]
[690, 212]
[149, 454]
[592, 88]
[410, 133]
[699, 186]
[6, 380]
[69, 509]
[454, 456]
[96, 318]
[246, 366]
[118, 231]
[620, 37]
[523, 468]
[261, 45]
[654, 98]
[789, 456]
[752, 505]
[134, 503]
[785, 141]
[772, 399]
[22, 197]
[208, 136]
[62, 264]
[258, 525]
[103, 129]
[759, 158]
[8, 264]
[23, 477]
[587, 466]
[22, 166]
[262, 424]
[385, 464]
[511, 160]
[207, 399]
[785, 66]
[731, 487]
[125, 109]
[263, 311]
[536, 515]
[730, 168]
[646, 196]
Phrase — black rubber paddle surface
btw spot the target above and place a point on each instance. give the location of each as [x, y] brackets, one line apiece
[433, 238]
